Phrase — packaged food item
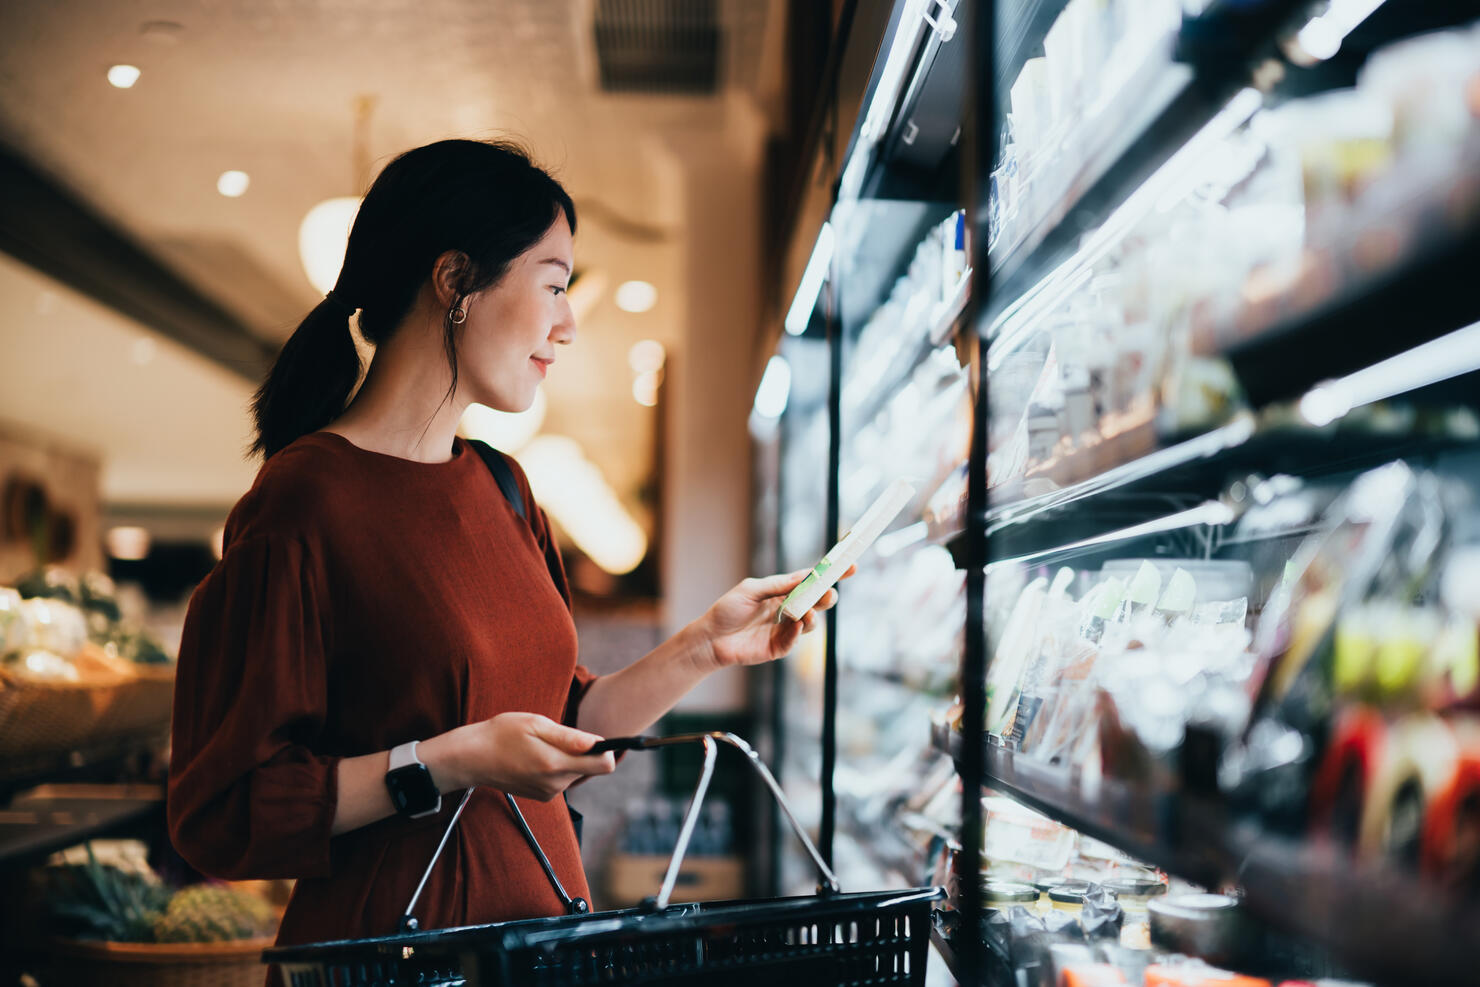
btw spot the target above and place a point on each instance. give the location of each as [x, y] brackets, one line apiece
[1004, 894]
[1013, 650]
[1068, 898]
[1338, 790]
[1210, 926]
[1015, 834]
[1197, 975]
[1451, 826]
[1134, 894]
[1091, 975]
[1419, 759]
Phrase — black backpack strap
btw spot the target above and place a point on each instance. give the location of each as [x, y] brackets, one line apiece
[505, 477]
[501, 472]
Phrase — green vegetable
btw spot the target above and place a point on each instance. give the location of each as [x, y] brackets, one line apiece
[96, 901]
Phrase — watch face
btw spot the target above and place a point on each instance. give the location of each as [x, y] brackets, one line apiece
[411, 789]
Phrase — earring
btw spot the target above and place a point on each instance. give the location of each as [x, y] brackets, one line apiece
[458, 314]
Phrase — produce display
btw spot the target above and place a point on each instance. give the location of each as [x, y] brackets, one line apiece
[73, 671]
[93, 900]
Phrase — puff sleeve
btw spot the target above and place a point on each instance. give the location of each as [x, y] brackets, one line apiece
[251, 794]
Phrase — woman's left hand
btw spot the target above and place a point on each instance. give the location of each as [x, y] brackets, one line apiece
[741, 628]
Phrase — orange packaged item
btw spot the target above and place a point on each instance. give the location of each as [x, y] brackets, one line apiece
[1091, 975]
[1198, 975]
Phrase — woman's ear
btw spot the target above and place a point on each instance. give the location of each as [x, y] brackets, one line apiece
[448, 274]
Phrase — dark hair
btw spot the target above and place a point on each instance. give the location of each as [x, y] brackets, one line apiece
[484, 199]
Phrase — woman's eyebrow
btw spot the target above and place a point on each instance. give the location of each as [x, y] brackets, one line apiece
[557, 262]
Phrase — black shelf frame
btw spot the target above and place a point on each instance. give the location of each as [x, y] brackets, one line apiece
[1291, 885]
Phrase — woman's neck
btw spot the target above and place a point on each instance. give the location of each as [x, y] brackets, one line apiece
[400, 409]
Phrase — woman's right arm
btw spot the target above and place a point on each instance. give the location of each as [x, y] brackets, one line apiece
[250, 794]
[524, 754]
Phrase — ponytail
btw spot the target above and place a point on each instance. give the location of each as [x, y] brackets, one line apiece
[311, 380]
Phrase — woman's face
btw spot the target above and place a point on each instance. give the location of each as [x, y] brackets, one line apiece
[508, 342]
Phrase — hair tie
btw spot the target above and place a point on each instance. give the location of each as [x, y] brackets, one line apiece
[339, 302]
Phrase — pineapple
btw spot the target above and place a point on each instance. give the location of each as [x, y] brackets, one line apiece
[203, 913]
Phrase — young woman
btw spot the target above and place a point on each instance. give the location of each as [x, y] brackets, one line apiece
[383, 624]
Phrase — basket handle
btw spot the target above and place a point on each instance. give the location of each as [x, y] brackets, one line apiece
[829, 881]
[578, 906]
[573, 906]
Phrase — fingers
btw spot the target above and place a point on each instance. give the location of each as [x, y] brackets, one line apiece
[778, 585]
[568, 740]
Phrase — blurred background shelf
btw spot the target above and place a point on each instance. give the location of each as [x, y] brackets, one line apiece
[1375, 919]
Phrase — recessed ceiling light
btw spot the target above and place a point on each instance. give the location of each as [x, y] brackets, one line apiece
[636, 296]
[646, 356]
[233, 183]
[123, 76]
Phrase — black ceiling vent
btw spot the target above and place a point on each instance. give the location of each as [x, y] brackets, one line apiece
[658, 46]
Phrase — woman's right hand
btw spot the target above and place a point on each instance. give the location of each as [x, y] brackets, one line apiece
[524, 754]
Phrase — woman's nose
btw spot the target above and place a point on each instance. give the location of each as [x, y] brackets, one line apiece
[564, 330]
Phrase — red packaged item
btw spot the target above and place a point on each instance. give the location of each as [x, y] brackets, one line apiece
[1451, 827]
[1338, 792]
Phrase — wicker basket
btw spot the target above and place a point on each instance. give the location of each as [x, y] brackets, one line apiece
[48, 716]
[144, 964]
[138, 704]
[39, 717]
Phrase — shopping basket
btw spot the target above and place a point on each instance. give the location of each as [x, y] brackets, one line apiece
[830, 938]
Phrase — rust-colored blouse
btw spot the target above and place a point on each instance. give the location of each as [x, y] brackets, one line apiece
[363, 601]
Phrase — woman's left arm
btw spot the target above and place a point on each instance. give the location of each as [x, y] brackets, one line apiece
[739, 629]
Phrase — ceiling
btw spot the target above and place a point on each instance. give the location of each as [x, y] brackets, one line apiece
[269, 87]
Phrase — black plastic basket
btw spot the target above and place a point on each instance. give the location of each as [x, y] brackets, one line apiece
[829, 938]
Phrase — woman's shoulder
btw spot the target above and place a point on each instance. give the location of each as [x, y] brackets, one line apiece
[296, 491]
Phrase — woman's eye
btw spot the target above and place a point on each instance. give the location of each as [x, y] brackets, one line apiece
[557, 289]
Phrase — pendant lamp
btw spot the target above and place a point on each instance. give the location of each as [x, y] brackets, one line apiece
[324, 232]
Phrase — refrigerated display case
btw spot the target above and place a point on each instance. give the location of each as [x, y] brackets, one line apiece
[1166, 310]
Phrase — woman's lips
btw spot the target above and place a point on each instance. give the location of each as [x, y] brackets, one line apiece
[544, 365]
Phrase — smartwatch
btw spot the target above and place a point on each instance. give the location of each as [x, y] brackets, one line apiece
[410, 784]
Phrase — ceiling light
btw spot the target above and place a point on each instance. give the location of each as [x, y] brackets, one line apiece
[127, 543]
[233, 184]
[123, 76]
[503, 430]
[800, 313]
[645, 388]
[646, 356]
[324, 233]
[575, 493]
[322, 238]
[636, 296]
[775, 389]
